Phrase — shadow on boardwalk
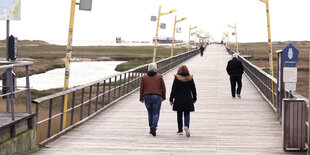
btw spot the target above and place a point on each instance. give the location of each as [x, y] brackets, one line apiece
[220, 124]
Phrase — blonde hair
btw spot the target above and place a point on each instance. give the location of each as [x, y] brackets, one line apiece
[152, 67]
[235, 55]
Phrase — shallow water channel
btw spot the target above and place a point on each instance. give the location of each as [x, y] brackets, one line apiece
[80, 73]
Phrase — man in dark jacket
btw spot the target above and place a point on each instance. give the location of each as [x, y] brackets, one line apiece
[201, 50]
[235, 70]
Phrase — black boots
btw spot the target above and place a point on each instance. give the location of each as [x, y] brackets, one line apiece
[153, 131]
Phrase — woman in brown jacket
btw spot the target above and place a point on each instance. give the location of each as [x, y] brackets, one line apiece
[152, 92]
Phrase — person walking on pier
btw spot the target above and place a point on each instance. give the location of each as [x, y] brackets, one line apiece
[201, 50]
[182, 97]
[235, 70]
[152, 92]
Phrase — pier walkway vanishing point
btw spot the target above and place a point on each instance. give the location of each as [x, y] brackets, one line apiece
[219, 125]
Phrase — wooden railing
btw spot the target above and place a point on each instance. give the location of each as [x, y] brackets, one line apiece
[10, 88]
[88, 100]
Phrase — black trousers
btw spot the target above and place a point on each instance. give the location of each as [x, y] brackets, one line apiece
[180, 119]
[233, 80]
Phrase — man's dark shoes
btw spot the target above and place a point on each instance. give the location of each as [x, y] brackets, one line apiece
[153, 131]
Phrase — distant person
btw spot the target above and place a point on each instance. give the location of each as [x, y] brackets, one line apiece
[152, 93]
[235, 70]
[182, 97]
[201, 50]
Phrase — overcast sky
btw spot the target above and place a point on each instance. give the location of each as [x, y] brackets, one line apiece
[130, 19]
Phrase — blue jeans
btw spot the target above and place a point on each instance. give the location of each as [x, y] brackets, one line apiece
[153, 104]
[180, 119]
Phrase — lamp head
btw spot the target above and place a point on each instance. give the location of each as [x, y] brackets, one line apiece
[195, 27]
[264, 1]
[183, 18]
[230, 26]
[172, 10]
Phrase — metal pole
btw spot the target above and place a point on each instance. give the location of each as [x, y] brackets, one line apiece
[175, 21]
[68, 58]
[195, 38]
[236, 38]
[199, 39]
[28, 90]
[7, 38]
[7, 58]
[10, 91]
[270, 44]
[189, 37]
[155, 46]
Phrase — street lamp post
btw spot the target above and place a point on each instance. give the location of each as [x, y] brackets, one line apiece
[235, 27]
[270, 43]
[84, 5]
[156, 36]
[269, 37]
[189, 36]
[175, 22]
[199, 38]
[195, 39]
[227, 40]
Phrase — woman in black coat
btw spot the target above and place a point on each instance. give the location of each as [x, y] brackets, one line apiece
[183, 96]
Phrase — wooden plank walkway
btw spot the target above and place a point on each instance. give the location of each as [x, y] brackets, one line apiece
[220, 125]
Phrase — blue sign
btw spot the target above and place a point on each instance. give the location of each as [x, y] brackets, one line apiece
[290, 55]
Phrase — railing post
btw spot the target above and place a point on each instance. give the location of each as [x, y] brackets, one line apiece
[50, 119]
[72, 106]
[103, 93]
[62, 112]
[97, 94]
[89, 99]
[109, 94]
[10, 90]
[115, 78]
[280, 86]
[37, 112]
[128, 82]
[124, 85]
[119, 85]
[82, 103]
[28, 94]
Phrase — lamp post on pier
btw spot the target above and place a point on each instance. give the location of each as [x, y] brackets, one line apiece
[84, 5]
[199, 38]
[156, 36]
[235, 27]
[269, 37]
[175, 22]
[270, 43]
[189, 37]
